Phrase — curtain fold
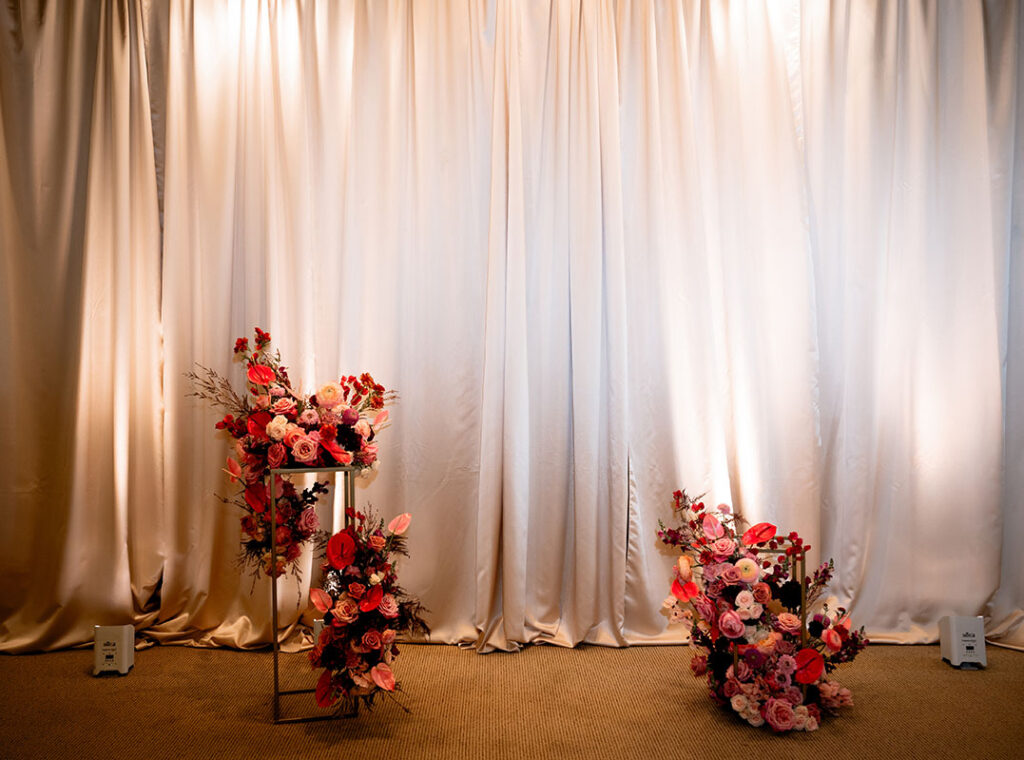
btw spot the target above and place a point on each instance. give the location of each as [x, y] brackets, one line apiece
[768, 251]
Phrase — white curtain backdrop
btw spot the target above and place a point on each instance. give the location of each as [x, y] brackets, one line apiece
[603, 250]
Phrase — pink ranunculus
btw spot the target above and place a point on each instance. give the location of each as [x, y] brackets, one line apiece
[832, 640]
[308, 521]
[723, 548]
[762, 593]
[330, 395]
[787, 622]
[684, 568]
[305, 450]
[376, 542]
[730, 625]
[748, 569]
[779, 714]
[388, 606]
[276, 455]
[400, 524]
[371, 639]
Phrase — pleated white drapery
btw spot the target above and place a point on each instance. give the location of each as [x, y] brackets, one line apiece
[604, 250]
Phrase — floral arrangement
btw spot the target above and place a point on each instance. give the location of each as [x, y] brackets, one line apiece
[745, 599]
[364, 610]
[275, 426]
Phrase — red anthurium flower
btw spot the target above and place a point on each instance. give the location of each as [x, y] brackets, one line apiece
[257, 424]
[758, 534]
[321, 599]
[324, 692]
[341, 550]
[371, 601]
[256, 497]
[340, 455]
[809, 666]
[259, 374]
[713, 528]
[684, 592]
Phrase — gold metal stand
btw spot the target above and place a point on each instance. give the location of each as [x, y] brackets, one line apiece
[349, 707]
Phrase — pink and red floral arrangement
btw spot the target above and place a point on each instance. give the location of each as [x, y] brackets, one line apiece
[275, 426]
[745, 604]
[364, 611]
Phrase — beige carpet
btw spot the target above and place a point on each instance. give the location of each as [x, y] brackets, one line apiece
[543, 702]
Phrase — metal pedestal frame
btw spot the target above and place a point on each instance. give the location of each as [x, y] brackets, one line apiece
[348, 484]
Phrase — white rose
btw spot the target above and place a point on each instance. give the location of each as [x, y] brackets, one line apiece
[277, 427]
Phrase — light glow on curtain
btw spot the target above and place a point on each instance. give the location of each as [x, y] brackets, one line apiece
[604, 250]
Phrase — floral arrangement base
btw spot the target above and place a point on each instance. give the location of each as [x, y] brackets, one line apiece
[766, 640]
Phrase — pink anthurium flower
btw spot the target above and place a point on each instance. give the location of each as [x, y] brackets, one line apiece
[383, 677]
[234, 470]
[400, 524]
[758, 534]
[713, 528]
[321, 599]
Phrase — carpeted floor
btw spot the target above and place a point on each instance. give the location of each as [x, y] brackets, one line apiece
[542, 702]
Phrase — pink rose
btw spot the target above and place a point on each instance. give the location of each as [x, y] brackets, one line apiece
[362, 428]
[779, 714]
[787, 622]
[346, 610]
[305, 450]
[376, 542]
[731, 576]
[292, 434]
[388, 606]
[276, 455]
[283, 406]
[371, 639]
[387, 638]
[308, 521]
[704, 607]
[762, 593]
[723, 548]
[730, 625]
